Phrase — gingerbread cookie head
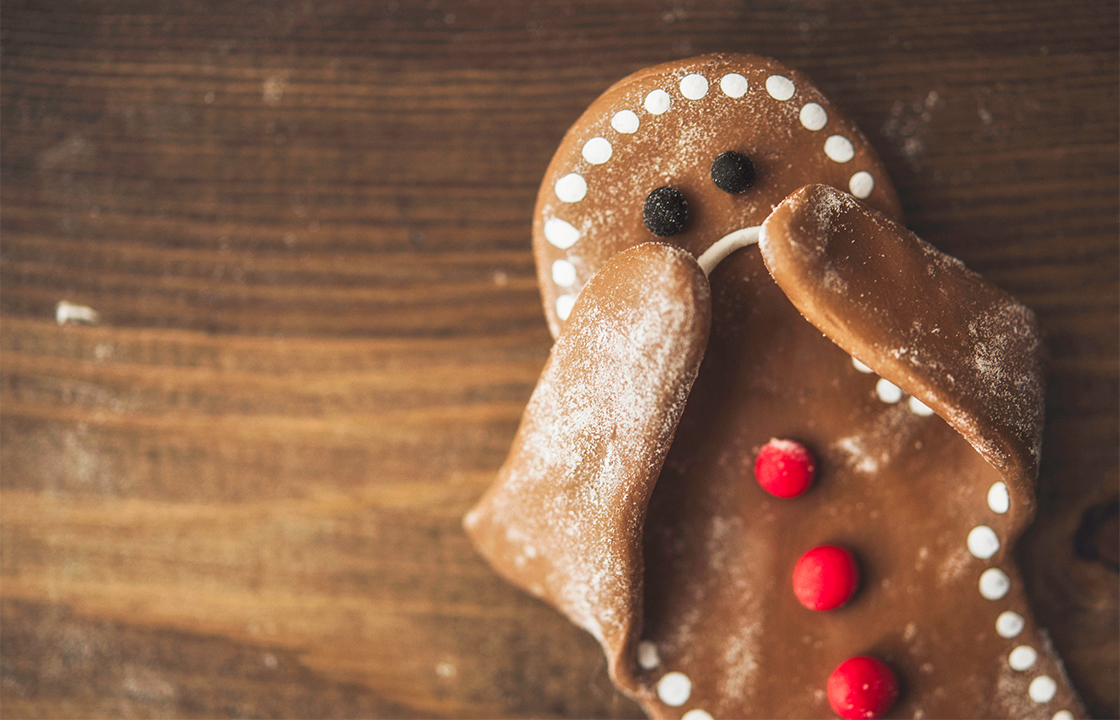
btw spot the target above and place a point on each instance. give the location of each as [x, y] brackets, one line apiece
[690, 153]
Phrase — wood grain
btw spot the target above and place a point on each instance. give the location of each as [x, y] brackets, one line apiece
[304, 226]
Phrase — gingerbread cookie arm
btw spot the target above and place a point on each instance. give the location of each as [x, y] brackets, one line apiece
[918, 318]
[958, 345]
[592, 442]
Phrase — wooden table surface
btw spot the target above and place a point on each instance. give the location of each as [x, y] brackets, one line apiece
[304, 229]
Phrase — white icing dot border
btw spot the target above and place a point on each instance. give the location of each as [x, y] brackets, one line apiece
[597, 150]
[1009, 624]
[839, 149]
[657, 102]
[861, 184]
[1022, 658]
[560, 233]
[674, 688]
[780, 87]
[697, 714]
[887, 391]
[983, 543]
[994, 584]
[891, 394]
[918, 407]
[626, 122]
[813, 116]
[648, 657]
[1042, 689]
[571, 188]
[734, 85]
[999, 499]
[564, 273]
[564, 305]
[694, 86]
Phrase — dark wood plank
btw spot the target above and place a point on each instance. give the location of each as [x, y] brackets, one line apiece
[304, 228]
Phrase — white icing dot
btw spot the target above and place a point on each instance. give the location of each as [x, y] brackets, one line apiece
[696, 714]
[780, 88]
[861, 184]
[1009, 624]
[674, 688]
[994, 584]
[657, 102]
[694, 86]
[839, 148]
[860, 366]
[560, 233]
[648, 657]
[571, 188]
[887, 391]
[1042, 689]
[564, 305]
[813, 116]
[597, 151]
[982, 542]
[625, 121]
[999, 500]
[1062, 715]
[563, 273]
[1022, 658]
[733, 85]
[919, 408]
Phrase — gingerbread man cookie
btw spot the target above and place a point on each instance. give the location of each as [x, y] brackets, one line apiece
[782, 449]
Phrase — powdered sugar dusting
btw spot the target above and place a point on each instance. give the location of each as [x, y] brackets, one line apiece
[875, 446]
[857, 456]
[954, 566]
[741, 663]
[1010, 695]
[1009, 389]
[593, 438]
[986, 381]
[827, 209]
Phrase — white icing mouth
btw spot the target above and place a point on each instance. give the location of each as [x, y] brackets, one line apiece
[726, 245]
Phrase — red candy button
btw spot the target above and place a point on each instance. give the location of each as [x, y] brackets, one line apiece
[825, 578]
[862, 688]
[784, 468]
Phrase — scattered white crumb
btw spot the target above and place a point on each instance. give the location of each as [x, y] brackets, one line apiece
[66, 312]
[273, 89]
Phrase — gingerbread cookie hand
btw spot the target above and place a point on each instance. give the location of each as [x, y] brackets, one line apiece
[961, 346]
[817, 517]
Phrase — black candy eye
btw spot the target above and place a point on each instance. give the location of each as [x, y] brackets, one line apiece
[733, 172]
[665, 212]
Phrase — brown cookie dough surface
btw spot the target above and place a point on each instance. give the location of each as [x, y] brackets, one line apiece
[628, 500]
